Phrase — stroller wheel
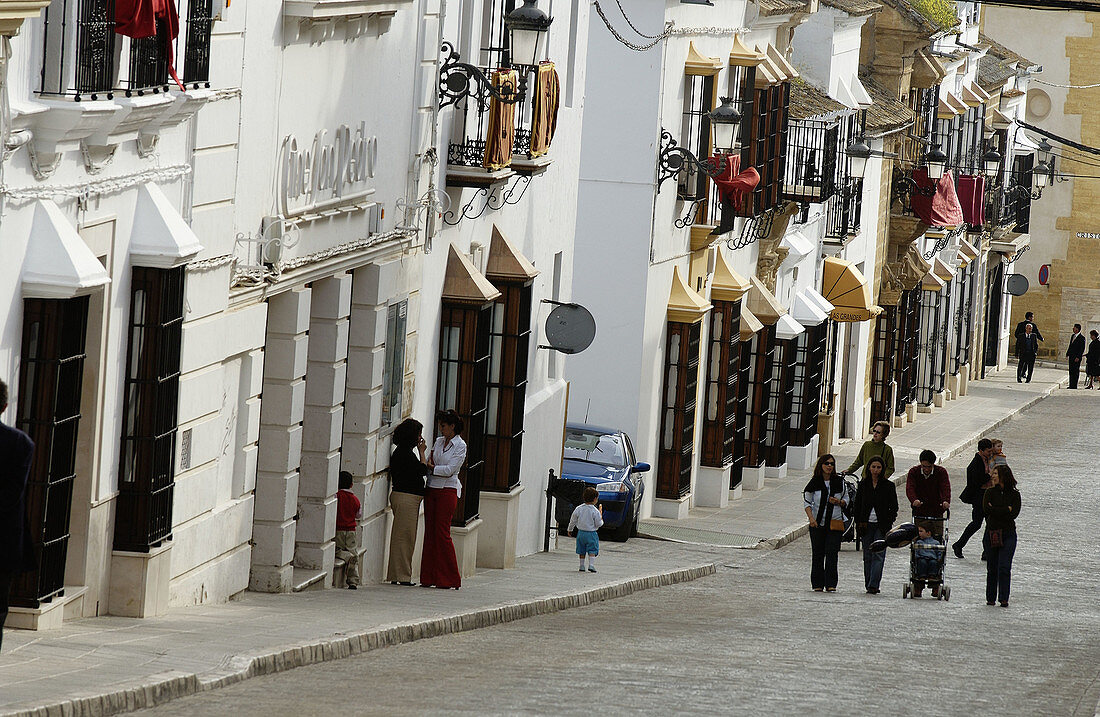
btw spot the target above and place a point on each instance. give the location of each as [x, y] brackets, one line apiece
[946, 592]
[905, 591]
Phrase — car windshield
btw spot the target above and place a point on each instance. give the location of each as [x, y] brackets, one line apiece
[602, 448]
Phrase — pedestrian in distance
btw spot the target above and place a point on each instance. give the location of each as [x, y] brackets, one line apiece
[928, 487]
[1092, 361]
[16, 548]
[1075, 353]
[1029, 318]
[876, 448]
[977, 480]
[408, 470]
[348, 513]
[585, 524]
[1027, 348]
[1001, 504]
[825, 496]
[876, 508]
[438, 564]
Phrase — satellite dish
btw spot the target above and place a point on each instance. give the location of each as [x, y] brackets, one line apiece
[1016, 284]
[570, 328]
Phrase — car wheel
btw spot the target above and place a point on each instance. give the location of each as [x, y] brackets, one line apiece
[634, 526]
[624, 531]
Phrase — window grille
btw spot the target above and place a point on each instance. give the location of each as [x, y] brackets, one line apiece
[777, 418]
[674, 455]
[995, 278]
[196, 58]
[723, 363]
[812, 149]
[462, 383]
[908, 345]
[845, 208]
[510, 334]
[930, 365]
[741, 422]
[764, 146]
[692, 184]
[393, 372]
[51, 377]
[882, 367]
[143, 517]
[762, 384]
[809, 375]
[964, 316]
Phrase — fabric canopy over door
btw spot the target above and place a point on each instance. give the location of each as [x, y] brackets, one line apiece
[845, 287]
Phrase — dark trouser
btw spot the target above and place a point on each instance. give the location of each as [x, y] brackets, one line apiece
[6, 579]
[977, 515]
[873, 562]
[998, 566]
[824, 549]
[1025, 367]
[1074, 372]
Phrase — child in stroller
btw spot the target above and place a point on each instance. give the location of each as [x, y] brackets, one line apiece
[927, 563]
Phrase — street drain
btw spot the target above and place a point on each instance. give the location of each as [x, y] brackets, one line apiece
[680, 534]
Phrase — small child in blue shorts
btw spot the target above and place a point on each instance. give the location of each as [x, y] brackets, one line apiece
[587, 519]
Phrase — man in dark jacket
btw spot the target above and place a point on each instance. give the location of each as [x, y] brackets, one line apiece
[1075, 352]
[1027, 346]
[928, 488]
[1029, 318]
[16, 449]
[977, 480]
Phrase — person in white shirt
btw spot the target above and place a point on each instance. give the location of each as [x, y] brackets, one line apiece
[587, 519]
[438, 564]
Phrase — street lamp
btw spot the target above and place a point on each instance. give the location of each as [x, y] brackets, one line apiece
[991, 162]
[1041, 174]
[724, 122]
[1045, 149]
[527, 28]
[858, 152]
[937, 163]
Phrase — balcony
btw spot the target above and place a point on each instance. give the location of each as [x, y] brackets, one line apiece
[812, 149]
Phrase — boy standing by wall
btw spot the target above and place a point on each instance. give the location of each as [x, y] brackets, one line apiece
[348, 513]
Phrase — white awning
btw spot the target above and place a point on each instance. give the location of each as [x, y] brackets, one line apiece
[844, 95]
[859, 92]
[797, 245]
[58, 265]
[1023, 144]
[806, 311]
[160, 238]
[787, 328]
[815, 298]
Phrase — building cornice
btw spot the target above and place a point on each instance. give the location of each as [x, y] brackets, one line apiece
[14, 12]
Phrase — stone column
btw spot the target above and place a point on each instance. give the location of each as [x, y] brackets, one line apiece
[281, 413]
[323, 426]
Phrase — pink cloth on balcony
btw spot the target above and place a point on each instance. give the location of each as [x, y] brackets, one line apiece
[972, 198]
[942, 209]
[733, 184]
[138, 19]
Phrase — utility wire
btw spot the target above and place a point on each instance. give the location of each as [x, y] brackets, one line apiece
[628, 22]
[1066, 87]
[1058, 138]
[630, 45]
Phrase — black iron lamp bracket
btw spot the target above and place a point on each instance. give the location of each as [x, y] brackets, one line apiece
[755, 228]
[944, 241]
[1020, 191]
[458, 80]
[489, 199]
[673, 159]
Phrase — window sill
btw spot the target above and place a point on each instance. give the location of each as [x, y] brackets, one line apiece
[462, 176]
[531, 166]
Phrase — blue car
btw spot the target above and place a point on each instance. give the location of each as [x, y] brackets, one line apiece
[604, 458]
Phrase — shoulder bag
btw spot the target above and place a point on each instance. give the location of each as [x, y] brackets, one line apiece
[996, 538]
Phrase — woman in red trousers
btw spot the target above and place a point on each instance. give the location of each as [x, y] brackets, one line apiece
[438, 566]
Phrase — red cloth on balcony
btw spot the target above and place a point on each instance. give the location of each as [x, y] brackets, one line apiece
[733, 184]
[138, 19]
[972, 198]
[942, 209]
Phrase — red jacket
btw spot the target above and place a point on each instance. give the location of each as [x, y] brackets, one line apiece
[932, 491]
[348, 510]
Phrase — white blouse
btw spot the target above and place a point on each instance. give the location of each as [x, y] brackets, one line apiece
[448, 459]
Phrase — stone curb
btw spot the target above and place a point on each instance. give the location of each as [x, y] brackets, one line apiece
[801, 528]
[168, 686]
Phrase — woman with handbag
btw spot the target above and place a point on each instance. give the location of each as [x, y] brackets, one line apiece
[1001, 503]
[875, 511]
[825, 497]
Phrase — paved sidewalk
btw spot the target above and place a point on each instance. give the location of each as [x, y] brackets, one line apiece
[107, 665]
[772, 517]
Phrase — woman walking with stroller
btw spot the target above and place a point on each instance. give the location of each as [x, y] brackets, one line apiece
[825, 497]
[1001, 504]
[876, 509]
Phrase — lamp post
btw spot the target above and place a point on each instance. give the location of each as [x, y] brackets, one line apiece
[991, 163]
[724, 123]
[527, 27]
[858, 152]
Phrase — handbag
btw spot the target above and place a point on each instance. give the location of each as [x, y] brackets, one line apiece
[836, 524]
[996, 538]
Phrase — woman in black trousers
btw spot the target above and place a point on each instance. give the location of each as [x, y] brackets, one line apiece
[1092, 361]
[825, 497]
[876, 509]
[1002, 504]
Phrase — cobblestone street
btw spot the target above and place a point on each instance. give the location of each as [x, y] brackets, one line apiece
[755, 636]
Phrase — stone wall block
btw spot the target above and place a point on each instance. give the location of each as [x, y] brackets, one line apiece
[332, 297]
[283, 403]
[366, 366]
[324, 427]
[368, 325]
[273, 543]
[316, 521]
[286, 357]
[280, 448]
[276, 496]
[320, 475]
[328, 340]
[325, 384]
[288, 312]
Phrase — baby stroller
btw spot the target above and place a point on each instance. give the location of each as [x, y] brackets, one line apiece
[928, 560]
[849, 511]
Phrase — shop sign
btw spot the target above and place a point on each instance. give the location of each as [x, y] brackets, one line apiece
[333, 172]
[1088, 235]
